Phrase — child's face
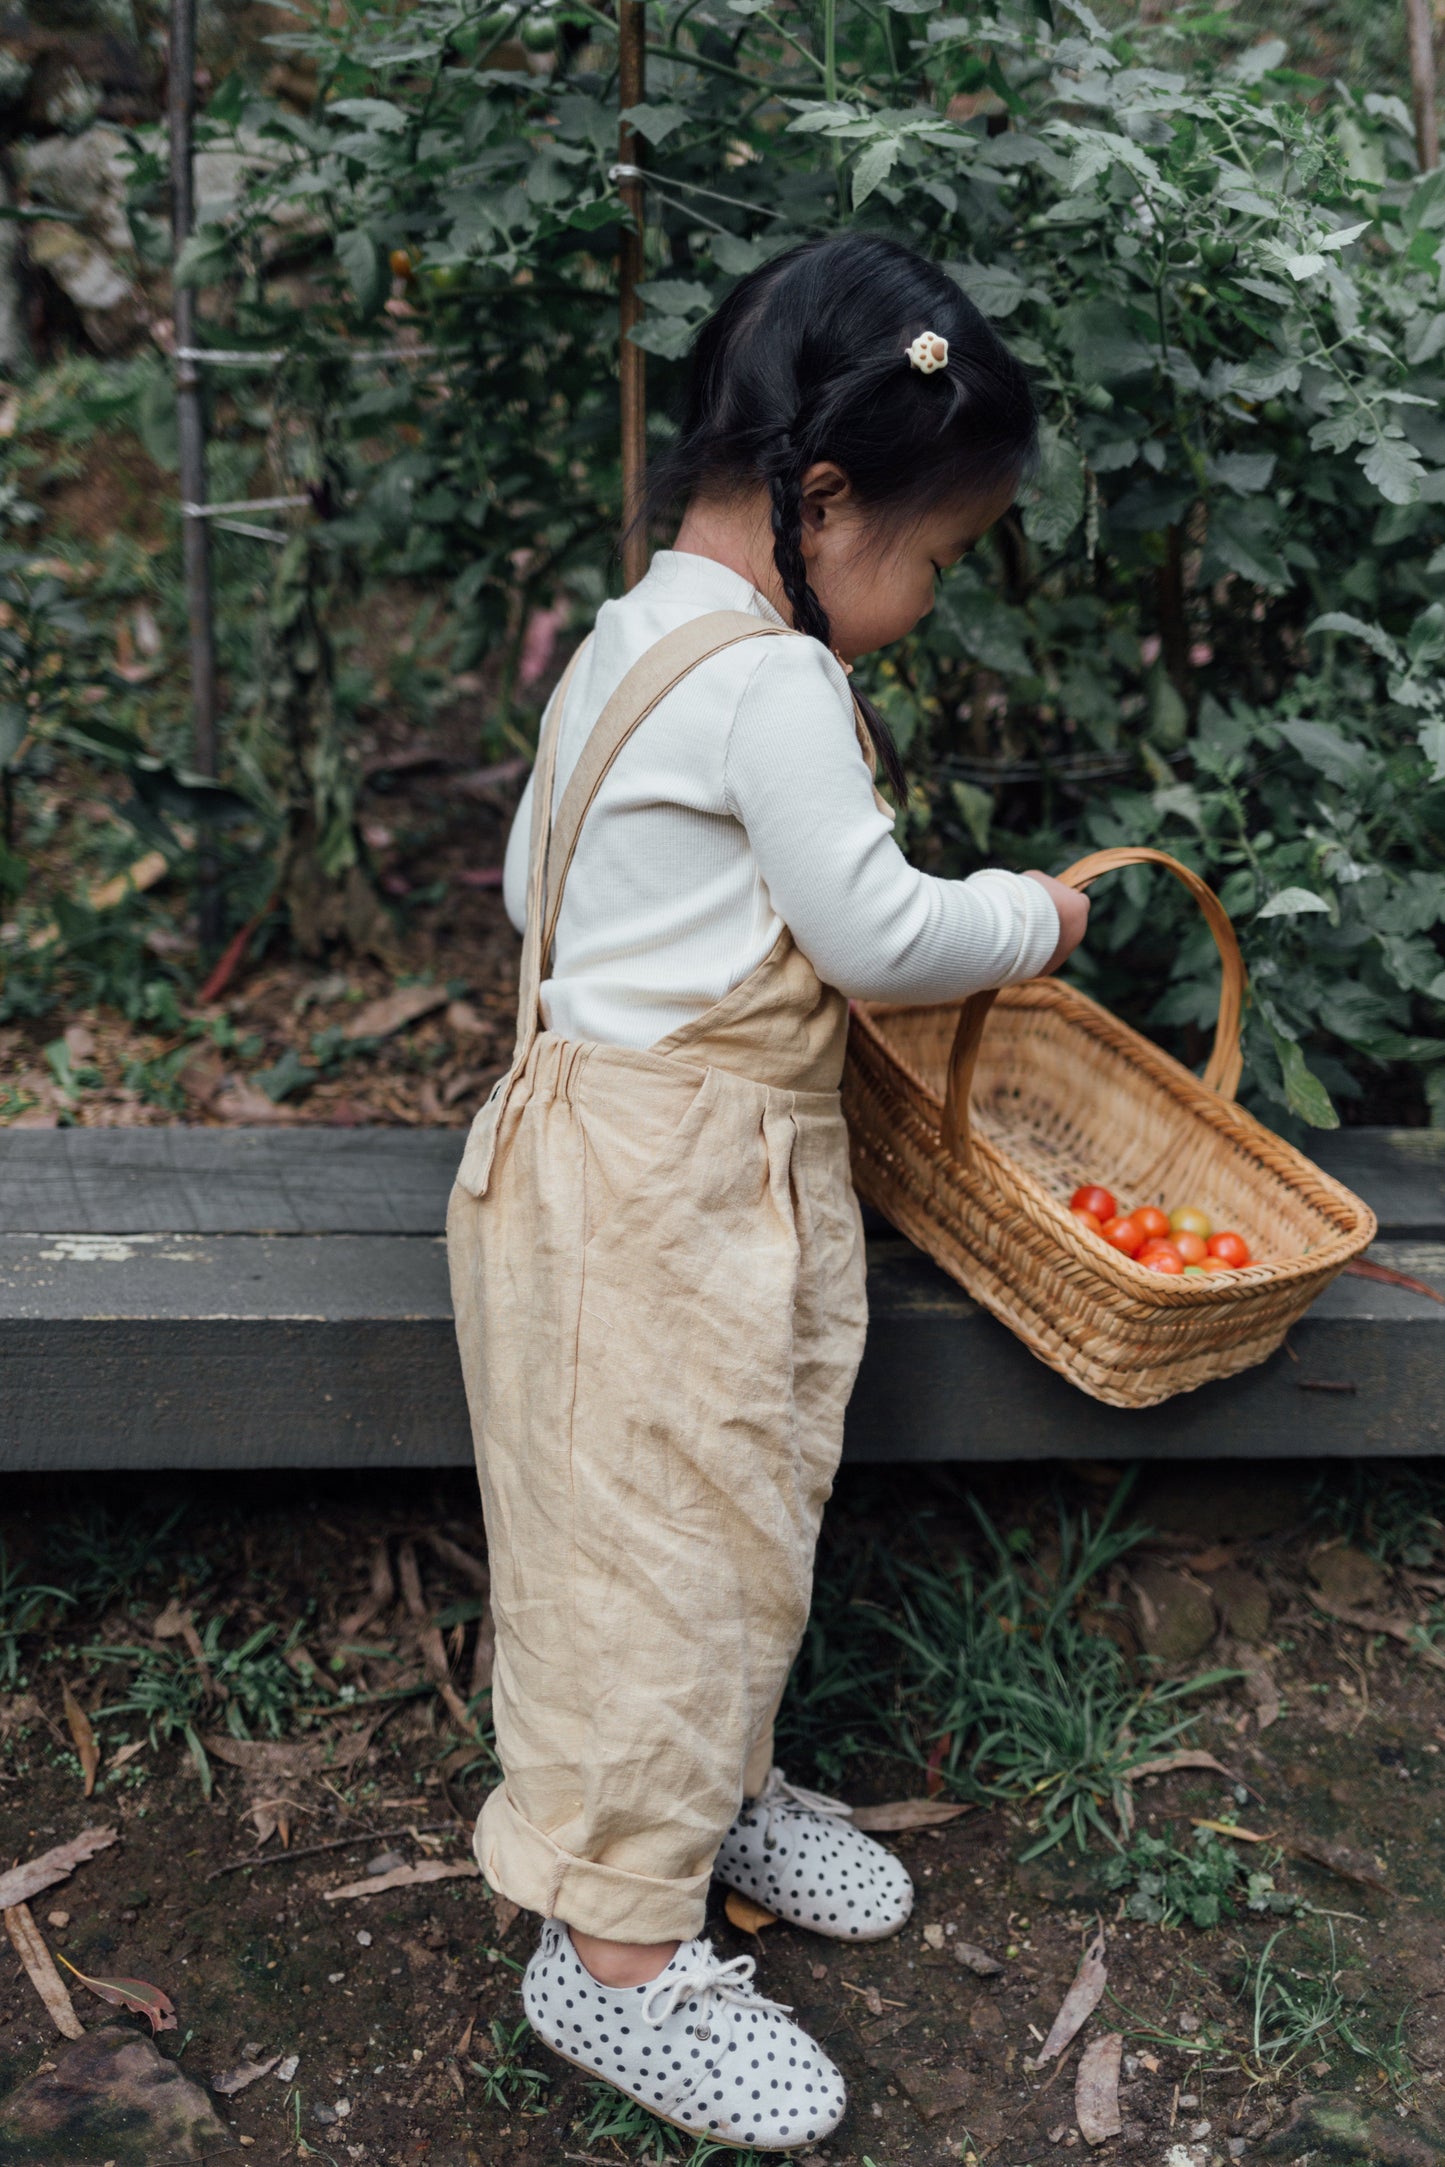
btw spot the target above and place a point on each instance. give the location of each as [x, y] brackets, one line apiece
[877, 582]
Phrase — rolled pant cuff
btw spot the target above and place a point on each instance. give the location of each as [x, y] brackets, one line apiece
[521, 1863]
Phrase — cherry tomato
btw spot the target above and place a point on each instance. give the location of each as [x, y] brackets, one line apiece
[1231, 1249]
[1090, 1219]
[1124, 1234]
[1091, 1198]
[1156, 1247]
[1151, 1221]
[1192, 1247]
[1194, 1271]
[401, 263]
[1164, 1260]
[1211, 1265]
[1189, 1221]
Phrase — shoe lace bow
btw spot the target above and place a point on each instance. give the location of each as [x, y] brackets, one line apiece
[708, 1979]
[777, 1795]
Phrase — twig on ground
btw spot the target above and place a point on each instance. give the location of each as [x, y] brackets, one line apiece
[333, 1843]
[29, 1945]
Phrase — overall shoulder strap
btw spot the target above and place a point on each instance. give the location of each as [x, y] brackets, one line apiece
[544, 776]
[648, 682]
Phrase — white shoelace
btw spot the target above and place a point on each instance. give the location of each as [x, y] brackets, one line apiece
[707, 1978]
[777, 1793]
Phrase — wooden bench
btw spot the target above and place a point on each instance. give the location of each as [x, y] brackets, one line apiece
[266, 1298]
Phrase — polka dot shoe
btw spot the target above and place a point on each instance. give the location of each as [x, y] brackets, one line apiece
[794, 1852]
[695, 2046]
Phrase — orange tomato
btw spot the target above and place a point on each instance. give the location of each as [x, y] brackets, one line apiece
[1231, 1249]
[1090, 1219]
[1211, 1265]
[1092, 1198]
[1152, 1249]
[1151, 1222]
[1124, 1234]
[1192, 1247]
[1186, 1220]
[401, 263]
[1164, 1259]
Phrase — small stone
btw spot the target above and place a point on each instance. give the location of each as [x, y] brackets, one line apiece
[334, 1978]
[1176, 1614]
[385, 1862]
[285, 2071]
[1349, 1577]
[326, 2116]
[934, 2092]
[933, 1936]
[1243, 1603]
[57, 1918]
[364, 1939]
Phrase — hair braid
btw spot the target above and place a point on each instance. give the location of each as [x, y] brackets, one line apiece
[785, 486]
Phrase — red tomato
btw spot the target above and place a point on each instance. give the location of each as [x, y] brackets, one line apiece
[1124, 1234]
[1166, 1260]
[1192, 1247]
[1090, 1219]
[1091, 1198]
[1151, 1222]
[1231, 1249]
[1189, 1221]
[1154, 1248]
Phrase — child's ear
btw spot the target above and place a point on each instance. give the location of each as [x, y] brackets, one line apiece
[826, 488]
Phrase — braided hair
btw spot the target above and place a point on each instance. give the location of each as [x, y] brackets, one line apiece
[805, 361]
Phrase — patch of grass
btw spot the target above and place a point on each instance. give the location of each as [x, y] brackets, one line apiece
[1293, 2012]
[23, 1604]
[104, 1556]
[507, 2081]
[1009, 1692]
[1397, 1516]
[170, 1690]
[611, 2117]
[1204, 1884]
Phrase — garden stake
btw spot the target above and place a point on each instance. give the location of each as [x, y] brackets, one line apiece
[1420, 35]
[631, 65]
[191, 428]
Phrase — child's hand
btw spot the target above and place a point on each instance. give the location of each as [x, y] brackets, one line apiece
[1073, 910]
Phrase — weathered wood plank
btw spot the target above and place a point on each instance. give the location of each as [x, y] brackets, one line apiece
[396, 1181]
[261, 1351]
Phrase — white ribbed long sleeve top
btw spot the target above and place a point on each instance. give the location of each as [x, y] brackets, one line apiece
[744, 804]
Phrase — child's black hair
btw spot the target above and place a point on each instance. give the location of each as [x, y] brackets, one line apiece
[807, 360]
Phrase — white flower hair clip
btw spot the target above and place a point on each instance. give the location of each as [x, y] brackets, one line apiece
[929, 352]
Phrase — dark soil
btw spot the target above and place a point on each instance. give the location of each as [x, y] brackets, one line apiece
[389, 2001]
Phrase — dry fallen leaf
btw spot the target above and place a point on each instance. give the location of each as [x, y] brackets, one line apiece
[126, 1755]
[901, 1813]
[245, 2073]
[1229, 1828]
[394, 1011]
[1096, 2088]
[29, 1945]
[747, 1917]
[265, 1757]
[407, 1877]
[1079, 2003]
[81, 1731]
[137, 1995]
[23, 1882]
[1184, 1757]
[1379, 1621]
[977, 1960]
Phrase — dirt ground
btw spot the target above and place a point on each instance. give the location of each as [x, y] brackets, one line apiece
[400, 2007]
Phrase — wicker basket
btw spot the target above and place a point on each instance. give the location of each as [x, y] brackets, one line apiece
[972, 1146]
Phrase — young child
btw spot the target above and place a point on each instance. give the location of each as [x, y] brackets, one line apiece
[655, 1249]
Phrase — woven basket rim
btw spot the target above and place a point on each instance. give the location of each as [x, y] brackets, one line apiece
[995, 1167]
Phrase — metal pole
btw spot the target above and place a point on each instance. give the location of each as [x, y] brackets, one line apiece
[631, 66]
[1420, 30]
[191, 424]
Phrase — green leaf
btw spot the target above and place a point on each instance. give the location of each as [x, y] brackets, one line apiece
[378, 113]
[976, 810]
[1304, 1094]
[674, 296]
[1293, 903]
[365, 267]
[874, 166]
[1056, 498]
[656, 122]
[1432, 744]
[1329, 750]
[668, 336]
[1395, 468]
[205, 259]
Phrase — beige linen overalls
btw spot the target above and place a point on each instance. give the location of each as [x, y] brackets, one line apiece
[657, 1269]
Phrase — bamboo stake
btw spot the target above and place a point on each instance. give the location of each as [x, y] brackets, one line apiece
[631, 65]
[1420, 30]
[180, 99]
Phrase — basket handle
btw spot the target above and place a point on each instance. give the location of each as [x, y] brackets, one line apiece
[1225, 1062]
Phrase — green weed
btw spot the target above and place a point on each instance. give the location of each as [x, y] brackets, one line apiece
[506, 2080]
[1293, 2012]
[104, 1556]
[1007, 1692]
[1204, 1884]
[611, 2117]
[170, 1690]
[22, 1607]
[1396, 1517]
